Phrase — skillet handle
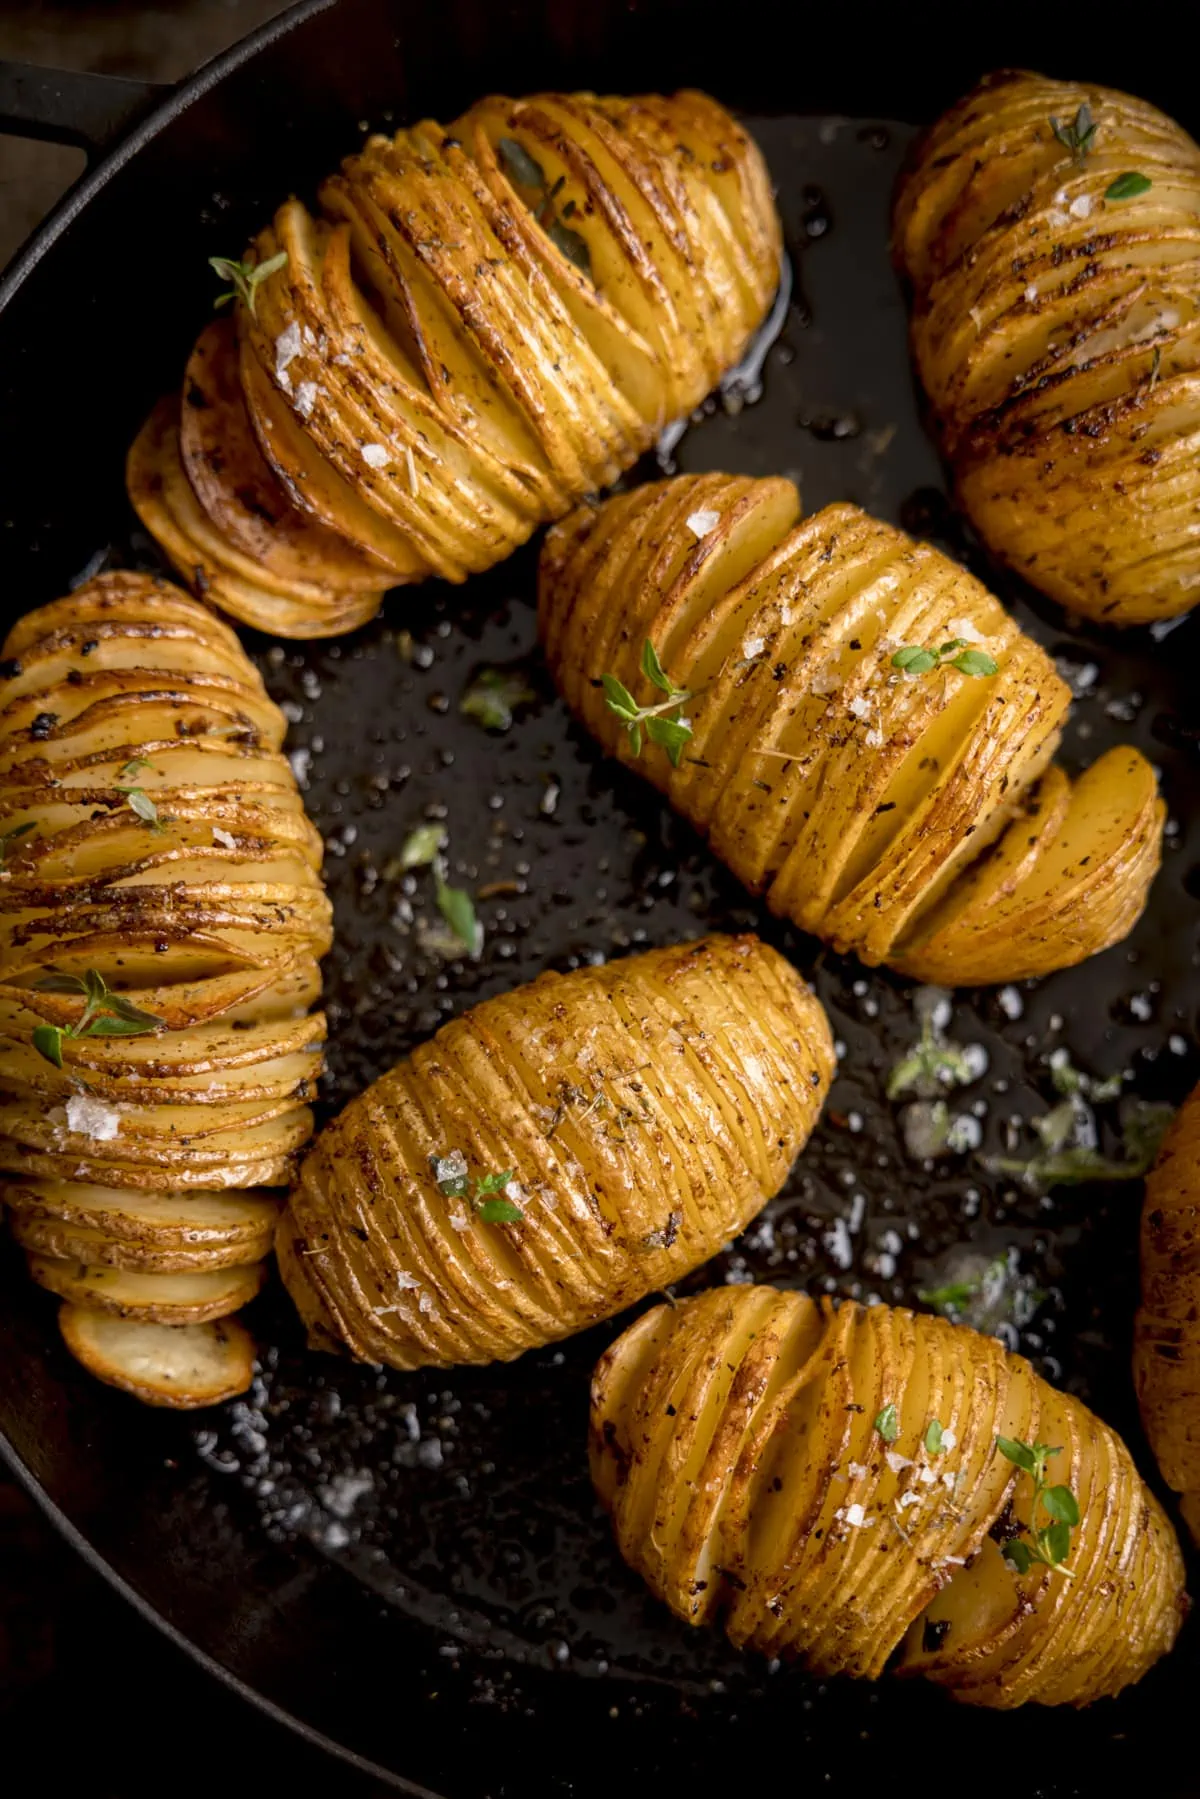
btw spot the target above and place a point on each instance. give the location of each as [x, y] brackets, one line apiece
[69, 106]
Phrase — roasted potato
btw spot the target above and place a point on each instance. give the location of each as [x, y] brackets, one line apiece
[1166, 1355]
[1048, 233]
[830, 1482]
[555, 1154]
[161, 917]
[908, 815]
[180, 1366]
[483, 324]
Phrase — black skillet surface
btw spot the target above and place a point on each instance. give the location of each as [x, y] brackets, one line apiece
[412, 1566]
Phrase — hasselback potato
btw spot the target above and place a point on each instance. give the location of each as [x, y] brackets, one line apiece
[830, 1482]
[858, 796]
[1049, 233]
[555, 1154]
[161, 916]
[482, 324]
[1167, 1334]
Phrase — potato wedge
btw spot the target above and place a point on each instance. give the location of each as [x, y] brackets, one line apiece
[624, 1122]
[861, 799]
[826, 1482]
[161, 920]
[485, 323]
[1166, 1352]
[182, 1367]
[1056, 330]
[151, 1298]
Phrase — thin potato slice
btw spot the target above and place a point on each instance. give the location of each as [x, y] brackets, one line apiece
[166, 1219]
[445, 358]
[861, 800]
[625, 1120]
[770, 1463]
[182, 1367]
[1056, 330]
[64, 1240]
[151, 1298]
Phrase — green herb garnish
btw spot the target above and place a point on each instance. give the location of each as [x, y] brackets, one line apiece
[916, 660]
[139, 802]
[7, 837]
[133, 767]
[519, 165]
[526, 171]
[423, 849]
[934, 1437]
[932, 1065]
[670, 733]
[494, 696]
[1049, 1544]
[1128, 186]
[454, 1182]
[1079, 135]
[887, 1423]
[245, 277]
[104, 1014]
[421, 846]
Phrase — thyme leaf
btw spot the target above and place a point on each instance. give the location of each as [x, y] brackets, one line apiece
[104, 1014]
[1128, 186]
[670, 733]
[1048, 1544]
[915, 659]
[245, 276]
[1079, 134]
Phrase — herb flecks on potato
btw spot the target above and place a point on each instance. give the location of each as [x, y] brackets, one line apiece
[484, 323]
[161, 917]
[555, 1154]
[832, 1483]
[1048, 233]
[853, 721]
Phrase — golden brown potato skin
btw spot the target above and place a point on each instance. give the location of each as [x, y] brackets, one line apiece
[857, 799]
[432, 374]
[209, 914]
[733, 1441]
[1057, 335]
[1166, 1356]
[648, 1109]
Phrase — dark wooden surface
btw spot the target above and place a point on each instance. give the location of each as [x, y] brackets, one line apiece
[88, 1691]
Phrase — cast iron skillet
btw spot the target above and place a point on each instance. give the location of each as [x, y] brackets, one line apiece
[410, 1569]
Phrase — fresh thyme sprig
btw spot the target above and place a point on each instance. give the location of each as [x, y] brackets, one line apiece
[1049, 1544]
[245, 276]
[455, 1181]
[525, 171]
[104, 1014]
[1079, 134]
[670, 733]
[887, 1422]
[915, 659]
[494, 696]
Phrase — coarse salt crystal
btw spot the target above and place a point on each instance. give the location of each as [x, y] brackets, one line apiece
[1081, 206]
[1031, 293]
[375, 456]
[927, 1477]
[753, 646]
[287, 348]
[451, 1167]
[407, 1283]
[92, 1118]
[911, 1497]
[702, 522]
[948, 1439]
[786, 616]
[425, 1304]
[895, 1461]
[949, 1481]
[861, 708]
[306, 398]
[459, 1220]
[874, 740]
[224, 838]
[962, 627]
[514, 1191]
[856, 1518]
[857, 1470]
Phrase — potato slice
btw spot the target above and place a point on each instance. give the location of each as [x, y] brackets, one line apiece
[1166, 1354]
[63, 1240]
[857, 797]
[771, 1462]
[182, 1367]
[151, 1298]
[169, 1220]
